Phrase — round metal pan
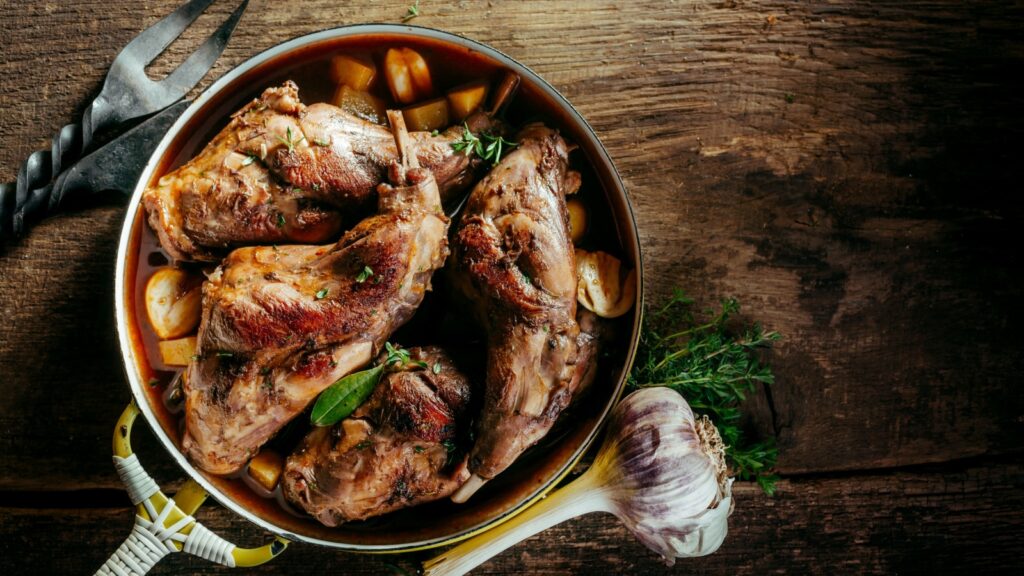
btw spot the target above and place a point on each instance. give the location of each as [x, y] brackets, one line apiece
[431, 525]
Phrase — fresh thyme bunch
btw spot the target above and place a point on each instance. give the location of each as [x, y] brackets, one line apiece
[714, 368]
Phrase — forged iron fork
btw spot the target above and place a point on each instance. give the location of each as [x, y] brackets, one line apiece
[127, 94]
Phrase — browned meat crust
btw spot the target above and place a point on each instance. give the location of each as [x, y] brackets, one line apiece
[284, 172]
[514, 261]
[280, 324]
[398, 449]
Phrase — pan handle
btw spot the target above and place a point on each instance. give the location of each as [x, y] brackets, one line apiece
[163, 526]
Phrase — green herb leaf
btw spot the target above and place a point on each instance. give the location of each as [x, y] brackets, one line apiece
[412, 12]
[224, 355]
[486, 146]
[364, 445]
[396, 355]
[321, 142]
[437, 368]
[344, 396]
[289, 140]
[714, 367]
[280, 220]
[364, 274]
[419, 449]
[248, 160]
[321, 293]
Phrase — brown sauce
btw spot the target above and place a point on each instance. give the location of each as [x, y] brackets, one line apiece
[450, 66]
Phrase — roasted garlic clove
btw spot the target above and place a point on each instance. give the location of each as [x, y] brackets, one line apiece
[173, 302]
[603, 288]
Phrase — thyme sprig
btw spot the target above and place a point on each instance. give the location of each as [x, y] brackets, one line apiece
[290, 140]
[485, 146]
[412, 12]
[714, 367]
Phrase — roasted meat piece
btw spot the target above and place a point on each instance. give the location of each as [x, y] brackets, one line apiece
[280, 324]
[400, 448]
[281, 171]
[223, 198]
[513, 260]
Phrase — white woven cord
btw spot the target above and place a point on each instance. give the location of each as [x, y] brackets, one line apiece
[205, 544]
[136, 556]
[150, 540]
[139, 483]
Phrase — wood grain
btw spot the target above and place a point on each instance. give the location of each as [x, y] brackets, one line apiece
[850, 171]
[922, 522]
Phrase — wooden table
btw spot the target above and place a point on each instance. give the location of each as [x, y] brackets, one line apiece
[850, 171]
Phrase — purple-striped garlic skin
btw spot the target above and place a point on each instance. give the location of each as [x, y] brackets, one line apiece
[663, 474]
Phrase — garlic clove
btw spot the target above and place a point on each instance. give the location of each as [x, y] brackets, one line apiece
[603, 288]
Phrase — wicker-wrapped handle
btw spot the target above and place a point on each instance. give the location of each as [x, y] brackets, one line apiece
[163, 526]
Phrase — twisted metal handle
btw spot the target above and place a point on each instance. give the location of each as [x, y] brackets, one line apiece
[32, 195]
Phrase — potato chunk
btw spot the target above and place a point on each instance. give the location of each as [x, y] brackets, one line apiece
[430, 115]
[577, 219]
[266, 468]
[356, 73]
[466, 99]
[173, 299]
[177, 352]
[361, 104]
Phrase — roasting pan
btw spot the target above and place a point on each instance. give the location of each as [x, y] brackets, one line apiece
[523, 484]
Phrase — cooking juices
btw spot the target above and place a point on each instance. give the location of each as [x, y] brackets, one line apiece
[434, 323]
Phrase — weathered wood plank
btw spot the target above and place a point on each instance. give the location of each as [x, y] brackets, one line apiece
[927, 522]
[846, 170]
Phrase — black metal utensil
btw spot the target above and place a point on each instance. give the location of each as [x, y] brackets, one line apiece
[127, 94]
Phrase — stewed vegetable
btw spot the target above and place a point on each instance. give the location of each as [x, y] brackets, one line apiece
[172, 302]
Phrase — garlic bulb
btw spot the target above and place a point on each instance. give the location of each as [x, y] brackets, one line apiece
[603, 288]
[661, 471]
[665, 474]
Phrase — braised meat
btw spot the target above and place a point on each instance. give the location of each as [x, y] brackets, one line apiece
[280, 324]
[224, 198]
[281, 171]
[398, 449]
[513, 260]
